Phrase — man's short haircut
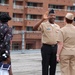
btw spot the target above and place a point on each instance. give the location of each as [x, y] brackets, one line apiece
[69, 21]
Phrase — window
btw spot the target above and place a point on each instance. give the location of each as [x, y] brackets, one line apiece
[59, 18]
[17, 17]
[16, 46]
[32, 17]
[28, 28]
[14, 15]
[16, 28]
[14, 2]
[2, 1]
[34, 4]
[17, 2]
[52, 6]
[71, 8]
[29, 46]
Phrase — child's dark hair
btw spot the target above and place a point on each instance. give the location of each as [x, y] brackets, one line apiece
[3, 55]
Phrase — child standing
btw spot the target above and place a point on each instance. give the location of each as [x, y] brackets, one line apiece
[4, 65]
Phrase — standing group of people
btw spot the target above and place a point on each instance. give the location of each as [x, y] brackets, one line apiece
[58, 44]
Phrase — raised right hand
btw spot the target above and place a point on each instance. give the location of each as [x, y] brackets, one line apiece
[45, 16]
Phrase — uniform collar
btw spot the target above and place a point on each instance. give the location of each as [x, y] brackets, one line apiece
[69, 25]
[50, 23]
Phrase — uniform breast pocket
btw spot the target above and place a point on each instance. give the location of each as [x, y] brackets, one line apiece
[48, 30]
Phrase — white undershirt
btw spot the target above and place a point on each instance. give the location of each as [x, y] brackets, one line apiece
[53, 25]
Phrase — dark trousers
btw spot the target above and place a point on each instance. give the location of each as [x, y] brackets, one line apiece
[48, 53]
